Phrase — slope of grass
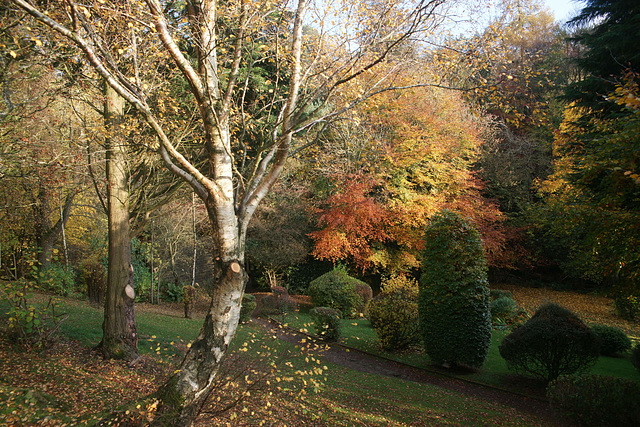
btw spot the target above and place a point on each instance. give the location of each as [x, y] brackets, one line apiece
[359, 334]
[273, 381]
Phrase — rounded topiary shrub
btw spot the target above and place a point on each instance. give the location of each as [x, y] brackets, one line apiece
[597, 400]
[453, 303]
[327, 323]
[394, 313]
[612, 340]
[553, 342]
[249, 304]
[336, 289]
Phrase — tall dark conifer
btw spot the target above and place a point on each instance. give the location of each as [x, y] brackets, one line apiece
[609, 33]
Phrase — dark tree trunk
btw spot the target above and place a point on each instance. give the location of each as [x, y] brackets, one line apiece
[120, 337]
[49, 235]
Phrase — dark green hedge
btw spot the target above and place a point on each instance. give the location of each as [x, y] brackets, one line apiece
[612, 340]
[597, 400]
[455, 320]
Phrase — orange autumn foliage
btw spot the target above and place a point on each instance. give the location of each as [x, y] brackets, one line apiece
[426, 142]
[352, 220]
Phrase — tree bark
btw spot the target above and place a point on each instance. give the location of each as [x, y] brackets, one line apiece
[120, 337]
[186, 391]
[49, 235]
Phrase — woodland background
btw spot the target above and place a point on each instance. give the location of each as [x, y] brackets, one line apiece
[505, 136]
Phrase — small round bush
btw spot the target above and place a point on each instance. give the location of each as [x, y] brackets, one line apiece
[597, 400]
[503, 308]
[612, 340]
[635, 356]
[627, 306]
[327, 323]
[336, 289]
[249, 304]
[453, 301]
[394, 313]
[553, 342]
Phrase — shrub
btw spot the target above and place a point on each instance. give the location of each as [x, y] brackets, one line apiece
[627, 306]
[249, 304]
[93, 276]
[278, 303]
[365, 293]
[394, 313]
[327, 323]
[57, 278]
[28, 325]
[499, 293]
[453, 302]
[635, 356]
[503, 308]
[336, 289]
[173, 291]
[597, 400]
[612, 340]
[553, 342]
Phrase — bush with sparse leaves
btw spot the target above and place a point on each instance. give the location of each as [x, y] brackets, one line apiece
[553, 342]
[612, 340]
[278, 303]
[455, 320]
[597, 400]
[366, 295]
[327, 323]
[30, 325]
[627, 306]
[336, 289]
[394, 313]
[57, 278]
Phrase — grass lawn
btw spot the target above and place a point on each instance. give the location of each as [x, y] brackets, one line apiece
[276, 382]
[359, 334]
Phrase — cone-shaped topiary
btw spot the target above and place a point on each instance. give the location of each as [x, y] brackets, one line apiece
[455, 320]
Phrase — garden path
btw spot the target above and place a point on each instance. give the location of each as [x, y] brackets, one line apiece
[369, 363]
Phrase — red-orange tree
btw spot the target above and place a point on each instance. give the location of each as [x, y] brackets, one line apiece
[422, 145]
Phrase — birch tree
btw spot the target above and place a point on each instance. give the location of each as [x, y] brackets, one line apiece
[246, 130]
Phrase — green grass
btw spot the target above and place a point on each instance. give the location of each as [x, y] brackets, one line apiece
[345, 397]
[358, 333]
[155, 334]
